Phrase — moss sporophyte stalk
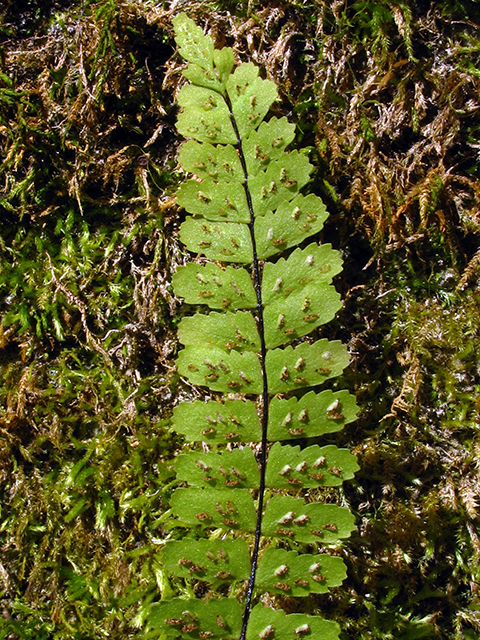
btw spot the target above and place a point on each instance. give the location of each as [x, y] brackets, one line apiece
[247, 523]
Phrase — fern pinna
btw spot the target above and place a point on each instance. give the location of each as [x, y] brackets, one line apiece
[246, 208]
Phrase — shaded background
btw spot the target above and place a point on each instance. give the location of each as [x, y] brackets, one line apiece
[386, 97]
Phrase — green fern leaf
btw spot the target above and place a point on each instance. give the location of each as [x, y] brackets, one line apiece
[246, 206]
[290, 467]
[250, 96]
[221, 370]
[193, 45]
[237, 468]
[307, 365]
[292, 519]
[224, 63]
[218, 423]
[232, 510]
[288, 573]
[220, 164]
[227, 330]
[303, 311]
[315, 265]
[280, 183]
[267, 624]
[267, 144]
[290, 225]
[297, 293]
[215, 201]
[190, 619]
[312, 415]
[214, 561]
[212, 79]
[205, 116]
[227, 241]
[219, 289]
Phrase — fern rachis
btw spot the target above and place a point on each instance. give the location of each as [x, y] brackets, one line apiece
[246, 207]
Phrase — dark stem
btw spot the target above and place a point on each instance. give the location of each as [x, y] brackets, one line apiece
[263, 354]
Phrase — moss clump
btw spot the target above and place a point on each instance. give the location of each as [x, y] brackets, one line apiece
[386, 97]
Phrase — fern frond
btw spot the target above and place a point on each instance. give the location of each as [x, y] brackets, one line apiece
[245, 204]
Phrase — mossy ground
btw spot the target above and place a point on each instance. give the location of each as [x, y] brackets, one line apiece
[386, 97]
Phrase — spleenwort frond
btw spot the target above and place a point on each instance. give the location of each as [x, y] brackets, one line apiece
[245, 204]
